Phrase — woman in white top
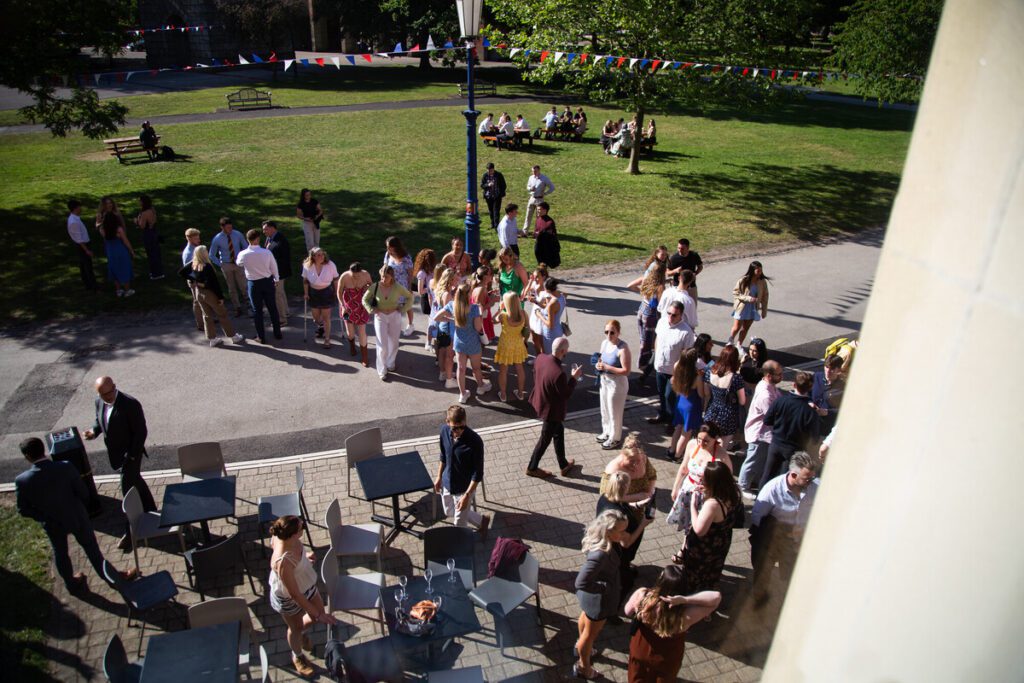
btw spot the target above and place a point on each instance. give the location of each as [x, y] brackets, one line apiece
[319, 282]
[614, 364]
[535, 294]
[293, 591]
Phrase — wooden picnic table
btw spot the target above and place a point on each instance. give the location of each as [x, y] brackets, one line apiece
[122, 147]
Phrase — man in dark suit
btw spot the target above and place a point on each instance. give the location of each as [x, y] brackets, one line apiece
[278, 245]
[493, 185]
[53, 494]
[796, 426]
[119, 418]
[551, 391]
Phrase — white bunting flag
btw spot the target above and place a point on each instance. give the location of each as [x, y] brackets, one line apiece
[430, 43]
[558, 55]
[756, 71]
[242, 60]
[632, 62]
[667, 64]
[336, 61]
[515, 51]
[598, 58]
[288, 64]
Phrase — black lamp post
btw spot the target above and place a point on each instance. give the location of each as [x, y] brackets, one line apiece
[469, 23]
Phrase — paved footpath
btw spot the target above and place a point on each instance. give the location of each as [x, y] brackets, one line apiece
[292, 397]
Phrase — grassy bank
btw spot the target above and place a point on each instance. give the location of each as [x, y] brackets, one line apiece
[25, 585]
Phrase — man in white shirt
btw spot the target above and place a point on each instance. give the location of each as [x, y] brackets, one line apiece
[539, 186]
[551, 122]
[679, 293]
[80, 236]
[261, 273]
[486, 126]
[508, 233]
[778, 521]
[672, 337]
[755, 431]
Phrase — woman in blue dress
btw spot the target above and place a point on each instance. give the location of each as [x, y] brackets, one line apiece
[119, 255]
[750, 303]
[466, 328]
[688, 385]
[551, 315]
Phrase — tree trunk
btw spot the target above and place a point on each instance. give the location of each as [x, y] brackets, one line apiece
[638, 136]
[312, 27]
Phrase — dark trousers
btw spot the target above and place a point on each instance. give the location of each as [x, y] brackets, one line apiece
[87, 539]
[550, 431]
[151, 240]
[262, 293]
[778, 461]
[494, 209]
[666, 397]
[514, 248]
[85, 269]
[131, 475]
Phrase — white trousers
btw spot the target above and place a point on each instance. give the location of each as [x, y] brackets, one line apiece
[531, 213]
[311, 233]
[614, 389]
[465, 517]
[387, 327]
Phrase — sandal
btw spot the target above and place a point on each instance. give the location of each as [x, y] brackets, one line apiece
[678, 557]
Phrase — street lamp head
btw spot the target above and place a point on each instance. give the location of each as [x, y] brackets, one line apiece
[469, 16]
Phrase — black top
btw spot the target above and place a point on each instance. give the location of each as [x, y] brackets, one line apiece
[393, 476]
[205, 278]
[309, 209]
[600, 576]
[124, 431]
[793, 421]
[148, 137]
[53, 493]
[493, 186]
[632, 519]
[463, 459]
[198, 501]
[208, 654]
[282, 251]
[688, 262]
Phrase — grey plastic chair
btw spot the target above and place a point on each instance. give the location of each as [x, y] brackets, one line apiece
[205, 566]
[471, 674]
[349, 592]
[201, 461]
[353, 540]
[500, 596]
[264, 665]
[116, 667]
[225, 611]
[454, 542]
[142, 594]
[365, 445]
[270, 508]
[145, 525]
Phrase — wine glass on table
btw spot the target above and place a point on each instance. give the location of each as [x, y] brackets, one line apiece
[403, 581]
[429, 576]
[451, 570]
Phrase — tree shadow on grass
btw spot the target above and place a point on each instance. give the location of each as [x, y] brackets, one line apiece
[809, 202]
[804, 113]
[42, 280]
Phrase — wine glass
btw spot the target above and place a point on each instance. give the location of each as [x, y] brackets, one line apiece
[398, 615]
[403, 581]
[451, 570]
[438, 600]
[429, 576]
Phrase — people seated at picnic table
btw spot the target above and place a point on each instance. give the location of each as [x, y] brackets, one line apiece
[579, 125]
[487, 126]
[149, 138]
[506, 130]
[550, 123]
[607, 134]
[622, 143]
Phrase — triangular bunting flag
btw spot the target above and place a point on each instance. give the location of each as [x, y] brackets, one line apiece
[368, 58]
[336, 61]
[273, 57]
[415, 48]
[448, 44]
[558, 55]
[644, 63]
[633, 61]
[129, 75]
[583, 58]
[256, 58]
[772, 75]
[515, 51]
[430, 43]
[654, 64]
[745, 71]
[398, 48]
[526, 53]
[319, 61]
[216, 62]
[305, 62]
[351, 59]
[620, 61]
[487, 43]
[571, 56]
[288, 63]
[756, 71]
[543, 56]
[667, 65]
[242, 60]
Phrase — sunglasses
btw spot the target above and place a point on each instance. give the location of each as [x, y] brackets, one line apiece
[457, 428]
[609, 332]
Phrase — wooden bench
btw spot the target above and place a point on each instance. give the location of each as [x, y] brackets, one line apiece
[122, 147]
[480, 88]
[514, 143]
[249, 98]
[647, 145]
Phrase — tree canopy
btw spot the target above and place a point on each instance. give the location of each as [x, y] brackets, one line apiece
[887, 44]
[45, 39]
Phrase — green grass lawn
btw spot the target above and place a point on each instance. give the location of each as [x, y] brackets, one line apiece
[25, 585]
[722, 178]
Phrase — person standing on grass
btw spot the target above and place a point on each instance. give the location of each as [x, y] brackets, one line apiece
[538, 186]
[146, 221]
[309, 211]
[119, 255]
[52, 493]
[551, 392]
[494, 188]
[278, 245]
[460, 471]
[224, 249]
[193, 239]
[261, 273]
[79, 234]
[203, 278]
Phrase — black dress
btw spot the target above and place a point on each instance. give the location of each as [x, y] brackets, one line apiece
[547, 249]
[627, 575]
[704, 556]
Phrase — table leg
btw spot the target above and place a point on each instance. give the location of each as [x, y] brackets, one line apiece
[395, 522]
[205, 526]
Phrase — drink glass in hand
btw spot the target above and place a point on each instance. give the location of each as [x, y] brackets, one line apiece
[451, 570]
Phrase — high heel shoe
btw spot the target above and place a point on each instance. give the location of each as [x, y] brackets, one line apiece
[577, 672]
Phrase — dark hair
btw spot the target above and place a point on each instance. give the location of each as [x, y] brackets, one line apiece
[719, 484]
[146, 202]
[683, 242]
[285, 527]
[110, 225]
[270, 224]
[762, 351]
[687, 277]
[711, 430]
[803, 382]
[456, 413]
[356, 267]
[73, 204]
[253, 235]
[32, 448]
[396, 244]
[488, 254]
[224, 220]
[511, 207]
[302, 194]
[701, 344]
[834, 362]
[728, 360]
[551, 284]
[543, 205]
[745, 280]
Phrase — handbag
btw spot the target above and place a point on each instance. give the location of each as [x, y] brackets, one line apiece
[374, 302]
[566, 330]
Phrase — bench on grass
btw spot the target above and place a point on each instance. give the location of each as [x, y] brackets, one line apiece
[122, 147]
[647, 145]
[249, 98]
[480, 88]
[514, 143]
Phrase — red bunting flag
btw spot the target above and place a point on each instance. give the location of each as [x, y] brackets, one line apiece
[583, 57]
[273, 57]
[502, 46]
[367, 58]
[620, 61]
[716, 68]
[414, 48]
[543, 56]
[320, 61]
[687, 65]
[745, 71]
[654, 64]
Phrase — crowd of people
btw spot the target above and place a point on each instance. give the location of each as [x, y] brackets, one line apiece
[618, 137]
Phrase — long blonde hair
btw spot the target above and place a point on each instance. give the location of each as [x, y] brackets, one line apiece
[596, 535]
[513, 308]
[615, 486]
[443, 283]
[200, 258]
[462, 305]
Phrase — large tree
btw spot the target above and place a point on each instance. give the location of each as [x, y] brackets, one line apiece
[730, 32]
[887, 44]
[44, 41]
[267, 22]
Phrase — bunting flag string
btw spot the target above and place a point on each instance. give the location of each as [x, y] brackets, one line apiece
[169, 27]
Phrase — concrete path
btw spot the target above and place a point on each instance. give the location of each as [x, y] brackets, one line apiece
[293, 398]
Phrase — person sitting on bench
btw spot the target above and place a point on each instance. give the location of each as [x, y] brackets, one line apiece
[506, 131]
[149, 138]
[565, 124]
[580, 125]
[550, 123]
[487, 126]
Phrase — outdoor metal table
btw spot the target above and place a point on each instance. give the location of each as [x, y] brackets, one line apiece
[198, 501]
[391, 477]
[197, 655]
[457, 616]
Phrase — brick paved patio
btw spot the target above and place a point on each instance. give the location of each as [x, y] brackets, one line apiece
[548, 515]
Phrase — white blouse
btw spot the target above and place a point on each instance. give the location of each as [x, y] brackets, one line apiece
[327, 275]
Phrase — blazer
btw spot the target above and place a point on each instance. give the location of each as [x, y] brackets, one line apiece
[125, 435]
[600, 580]
[53, 493]
[282, 251]
[551, 388]
[742, 296]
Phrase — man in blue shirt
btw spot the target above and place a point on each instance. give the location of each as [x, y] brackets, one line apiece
[224, 249]
[461, 471]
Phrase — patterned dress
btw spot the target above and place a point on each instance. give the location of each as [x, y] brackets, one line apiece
[723, 408]
[352, 305]
[704, 556]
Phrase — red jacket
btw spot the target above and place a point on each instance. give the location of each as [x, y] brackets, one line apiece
[551, 388]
